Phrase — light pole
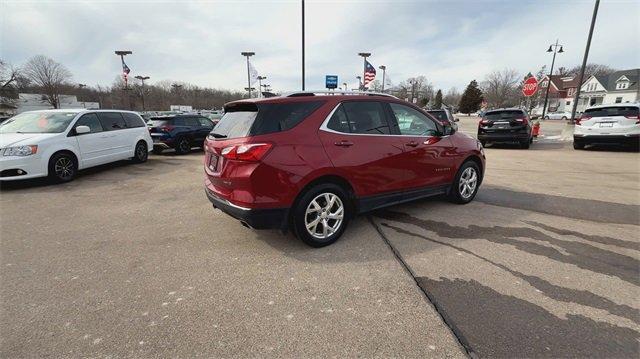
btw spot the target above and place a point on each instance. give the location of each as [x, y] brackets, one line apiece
[125, 74]
[364, 69]
[552, 48]
[260, 78]
[384, 70]
[248, 54]
[142, 78]
[584, 61]
[81, 86]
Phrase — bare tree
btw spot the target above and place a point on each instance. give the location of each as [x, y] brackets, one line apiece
[9, 77]
[591, 69]
[452, 97]
[500, 88]
[48, 74]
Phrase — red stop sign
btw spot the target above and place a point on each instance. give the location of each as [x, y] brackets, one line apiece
[530, 86]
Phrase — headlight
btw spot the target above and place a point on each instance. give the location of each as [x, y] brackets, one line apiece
[20, 150]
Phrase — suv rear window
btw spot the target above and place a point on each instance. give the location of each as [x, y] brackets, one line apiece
[612, 111]
[503, 115]
[250, 119]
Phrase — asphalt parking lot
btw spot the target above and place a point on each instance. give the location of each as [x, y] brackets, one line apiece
[131, 260]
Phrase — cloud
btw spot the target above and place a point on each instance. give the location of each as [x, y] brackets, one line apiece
[200, 41]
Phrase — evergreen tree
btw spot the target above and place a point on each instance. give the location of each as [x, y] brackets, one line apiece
[438, 101]
[471, 98]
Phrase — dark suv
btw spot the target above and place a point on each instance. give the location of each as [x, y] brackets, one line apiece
[312, 162]
[505, 125]
[181, 132]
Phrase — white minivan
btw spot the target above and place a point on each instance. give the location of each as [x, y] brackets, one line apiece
[616, 123]
[58, 143]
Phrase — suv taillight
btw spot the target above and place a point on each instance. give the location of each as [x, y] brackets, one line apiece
[166, 128]
[483, 122]
[637, 118]
[582, 118]
[522, 120]
[252, 152]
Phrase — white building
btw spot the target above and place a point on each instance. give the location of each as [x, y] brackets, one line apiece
[618, 87]
[32, 102]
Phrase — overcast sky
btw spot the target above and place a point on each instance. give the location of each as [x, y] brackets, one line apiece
[450, 42]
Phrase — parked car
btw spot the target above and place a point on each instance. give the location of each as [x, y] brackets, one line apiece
[312, 162]
[613, 124]
[180, 132]
[444, 115]
[505, 125]
[557, 116]
[58, 143]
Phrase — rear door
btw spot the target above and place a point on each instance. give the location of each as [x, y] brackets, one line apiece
[358, 140]
[114, 125]
[614, 120]
[95, 147]
[204, 127]
[425, 157]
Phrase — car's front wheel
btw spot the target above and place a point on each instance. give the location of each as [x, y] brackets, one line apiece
[63, 167]
[578, 145]
[466, 183]
[184, 146]
[321, 215]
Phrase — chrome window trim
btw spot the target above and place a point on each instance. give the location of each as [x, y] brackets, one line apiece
[323, 127]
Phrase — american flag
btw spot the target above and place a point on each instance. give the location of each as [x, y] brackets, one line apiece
[125, 69]
[369, 73]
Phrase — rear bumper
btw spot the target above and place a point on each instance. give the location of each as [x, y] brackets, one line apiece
[267, 218]
[622, 139]
[503, 137]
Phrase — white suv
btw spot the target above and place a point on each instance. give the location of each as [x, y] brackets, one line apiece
[619, 124]
[58, 143]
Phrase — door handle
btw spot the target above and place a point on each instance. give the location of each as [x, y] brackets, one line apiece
[413, 144]
[344, 143]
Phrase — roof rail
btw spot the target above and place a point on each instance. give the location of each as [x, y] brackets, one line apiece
[338, 93]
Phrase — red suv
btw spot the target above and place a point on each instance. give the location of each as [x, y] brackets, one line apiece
[312, 162]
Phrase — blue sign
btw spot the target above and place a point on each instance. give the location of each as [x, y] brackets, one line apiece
[331, 81]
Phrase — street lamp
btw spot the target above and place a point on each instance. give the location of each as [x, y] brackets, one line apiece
[364, 70]
[384, 70]
[142, 78]
[248, 54]
[552, 48]
[81, 86]
[260, 78]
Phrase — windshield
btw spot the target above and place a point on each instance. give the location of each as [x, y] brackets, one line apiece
[612, 111]
[503, 115]
[38, 122]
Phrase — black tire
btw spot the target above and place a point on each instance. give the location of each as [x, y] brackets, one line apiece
[483, 143]
[564, 118]
[141, 152]
[300, 218]
[525, 144]
[157, 151]
[183, 146]
[456, 194]
[546, 117]
[578, 145]
[63, 167]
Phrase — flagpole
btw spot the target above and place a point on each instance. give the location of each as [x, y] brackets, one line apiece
[364, 69]
[248, 54]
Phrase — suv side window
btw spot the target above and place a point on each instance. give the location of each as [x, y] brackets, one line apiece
[339, 121]
[132, 120]
[412, 122]
[192, 122]
[366, 118]
[112, 121]
[179, 121]
[204, 122]
[90, 120]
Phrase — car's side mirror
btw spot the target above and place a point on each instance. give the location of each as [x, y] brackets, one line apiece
[450, 129]
[82, 129]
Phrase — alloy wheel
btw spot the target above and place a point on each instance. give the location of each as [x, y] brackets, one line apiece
[64, 168]
[324, 215]
[468, 182]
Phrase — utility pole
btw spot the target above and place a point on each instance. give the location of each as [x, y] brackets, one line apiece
[260, 78]
[584, 60]
[248, 54]
[364, 69]
[302, 45]
[552, 48]
[142, 78]
[384, 70]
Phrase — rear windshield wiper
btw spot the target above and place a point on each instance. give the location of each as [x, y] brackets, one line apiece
[217, 135]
